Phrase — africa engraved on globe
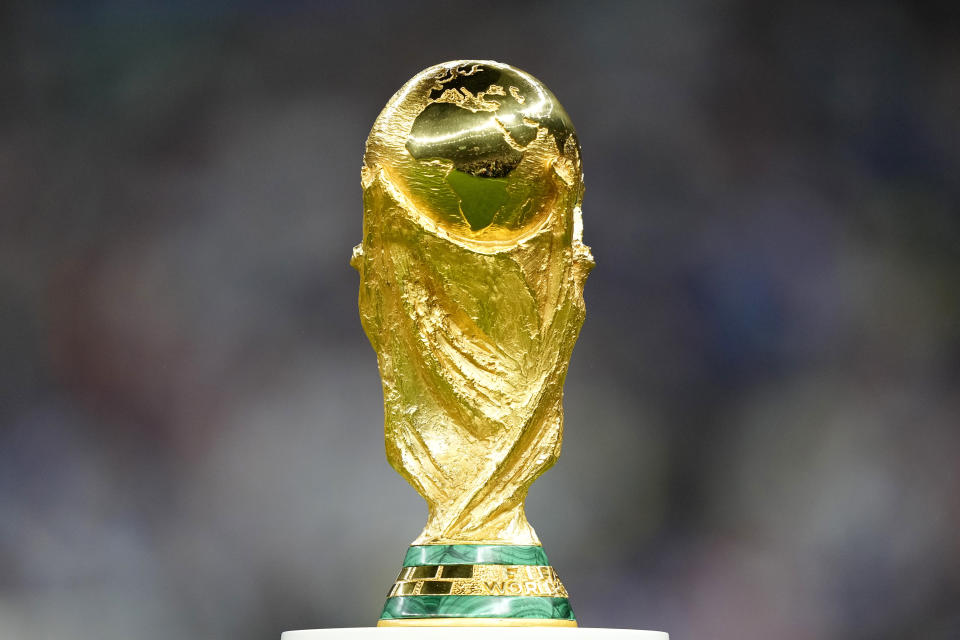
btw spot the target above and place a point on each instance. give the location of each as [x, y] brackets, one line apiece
[478, 126]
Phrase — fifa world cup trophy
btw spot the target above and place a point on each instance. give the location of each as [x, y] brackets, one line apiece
[472, 268]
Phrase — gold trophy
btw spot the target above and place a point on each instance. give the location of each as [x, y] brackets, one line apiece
[472, 268]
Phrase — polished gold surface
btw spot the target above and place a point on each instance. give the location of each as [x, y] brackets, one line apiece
[472, 268]
[479, 580]
[477, 622]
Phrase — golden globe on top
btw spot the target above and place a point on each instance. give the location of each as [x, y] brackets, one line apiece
[472, 269]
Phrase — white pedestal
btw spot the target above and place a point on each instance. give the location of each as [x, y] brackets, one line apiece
[473, 633]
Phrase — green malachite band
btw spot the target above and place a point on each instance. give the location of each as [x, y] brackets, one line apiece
[436, 605]
[403, 607]
[418, 556]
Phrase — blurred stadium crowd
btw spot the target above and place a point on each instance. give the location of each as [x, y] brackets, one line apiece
[763, 410]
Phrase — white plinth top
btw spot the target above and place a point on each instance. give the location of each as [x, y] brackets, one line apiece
[473, 633]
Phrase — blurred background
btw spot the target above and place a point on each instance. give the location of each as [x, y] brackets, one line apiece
[763, 409]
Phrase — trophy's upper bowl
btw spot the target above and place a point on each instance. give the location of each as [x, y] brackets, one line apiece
[480, 147]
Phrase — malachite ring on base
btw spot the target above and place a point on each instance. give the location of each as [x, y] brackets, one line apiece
[498, 585]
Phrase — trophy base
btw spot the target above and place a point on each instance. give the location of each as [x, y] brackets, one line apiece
[477, 585]
[473, 632]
